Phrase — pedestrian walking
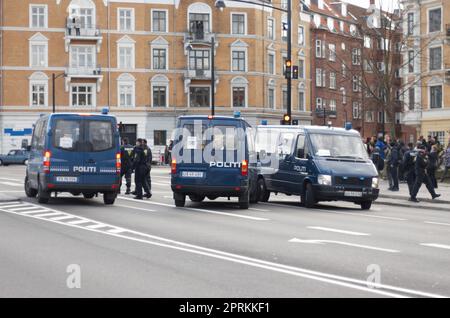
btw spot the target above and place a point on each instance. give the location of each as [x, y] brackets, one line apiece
[140, 169]
[126, 152]
[408, 166]
[446, 162]
[433, 165]
[377, 160]
[420, 166]
[149, 159]
[393, 163]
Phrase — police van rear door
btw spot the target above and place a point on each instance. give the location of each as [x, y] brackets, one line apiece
[102, 147]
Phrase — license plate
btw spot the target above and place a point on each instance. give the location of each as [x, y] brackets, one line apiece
[67, 179]
[352, 194]
[192, 174]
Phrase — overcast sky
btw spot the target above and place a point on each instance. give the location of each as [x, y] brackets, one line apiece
[387, 4]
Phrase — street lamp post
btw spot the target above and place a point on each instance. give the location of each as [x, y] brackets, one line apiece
[54, 77]
[221, 5]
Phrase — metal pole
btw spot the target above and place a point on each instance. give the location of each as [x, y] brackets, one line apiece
[289, 57]
[213, 78]
[53, 92]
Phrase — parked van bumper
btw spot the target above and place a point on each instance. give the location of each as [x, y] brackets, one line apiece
[336, 193]
[221, 191]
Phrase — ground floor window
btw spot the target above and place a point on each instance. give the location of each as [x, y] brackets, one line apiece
[438, 135]
[82, 96]
[199, 96]
[159, 137]
[238, 96]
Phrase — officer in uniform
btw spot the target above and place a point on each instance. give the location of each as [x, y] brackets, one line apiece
[126, 152]
[148, 179]
[420, 166]
[140, 169]
[408, 167]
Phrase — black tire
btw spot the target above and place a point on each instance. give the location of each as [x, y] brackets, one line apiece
[197, 198]
[366, 205]
[244, 200]
[308, 199]
[263, 193]
[1, 162]
[180, 200]
[42, 195]
[109, 198]
[211, 197]
[89, 195]
[30, 192]
[254, 194]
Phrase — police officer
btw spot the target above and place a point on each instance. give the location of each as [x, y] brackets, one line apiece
[149, 158]
[393, 163]
[420, 166]
[408, 167]
[126, 152]
[140, 169]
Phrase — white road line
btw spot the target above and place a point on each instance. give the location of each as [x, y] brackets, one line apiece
[386, 290]
[160, 184]
[60, 218]
[437, 223]
[9, 203]
[79, 222]
[198, 210]
[26, 207]
[97, 226]
[10, 179]
[12, 184]
[116, 231]
[134, 208]
[447, 247]
[11, 206]
[296, 240]
[259, 210]
[35, 211]
[47, 214]
[327, 229]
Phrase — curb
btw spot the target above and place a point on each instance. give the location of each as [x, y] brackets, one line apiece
[403, 197]
[410, 205]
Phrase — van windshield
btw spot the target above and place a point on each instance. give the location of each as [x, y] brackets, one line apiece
[67, 134]
[338, 146]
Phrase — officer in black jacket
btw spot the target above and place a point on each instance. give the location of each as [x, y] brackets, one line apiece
[421, 175]
[126, 154]
[408, 167]
[140, 169]
[393, 164]
[148, 180]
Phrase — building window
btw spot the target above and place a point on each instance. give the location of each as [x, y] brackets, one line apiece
[126, 19]
[238, 61]
[284, 28]
[126, 57]
[199, 60]
[356, 110]
[439, 136]
[332, 80]
[318, 77]
[344, 96]
[271, 98]
[159, 21]
[159, 59]
[370, 116]
[159, 137]
[412, 98]
[38, 16]
[356, 83]
[38, 95]
[271, 63]
[301, 36]
[238, 24]
[356, 56]
[199, 97]
[332, 49]
[435, 58]
[301, 101]
[319, 104]
[318, 48]
[82, 96]
[82, 57]
[367, 42]
[285, 98]
[239, 97]
[270, 29]
[410, 23]
[434, 20]
[126, 95]
[436, 96]
[411, 61]
[159, 96]
[199, 23]
[301, 69]
[333, 105]
[38, 55]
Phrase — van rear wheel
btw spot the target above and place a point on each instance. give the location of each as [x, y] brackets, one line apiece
[42, 195]
[109, 198]
[366, 205]
[180, 200]
[263, 193]
[244, 200]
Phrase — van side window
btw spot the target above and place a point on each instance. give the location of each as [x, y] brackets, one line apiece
[285, 143]
[35, 139]
[67, 134]
[100, 135]
[300, 149]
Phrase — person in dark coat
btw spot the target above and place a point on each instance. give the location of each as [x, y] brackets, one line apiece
[393, 163]
[126, 155]
[140, 169]
[420, 166]
[149, 159]
[408, 167]
[433, 165]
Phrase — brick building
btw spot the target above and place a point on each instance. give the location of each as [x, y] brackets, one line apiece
[149, 61]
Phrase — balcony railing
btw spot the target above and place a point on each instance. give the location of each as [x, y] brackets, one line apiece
[89, 71]
[199, 37]
[199, 74]
[83, 31]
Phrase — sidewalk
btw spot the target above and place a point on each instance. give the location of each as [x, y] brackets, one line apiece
[8, 197]
[401, 197]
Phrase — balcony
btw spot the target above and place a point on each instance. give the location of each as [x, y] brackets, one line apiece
[198, 75]
[199, 40]
[89, 73]
[88, 33]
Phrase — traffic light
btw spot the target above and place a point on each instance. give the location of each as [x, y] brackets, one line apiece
[295, 72]
[288, 69]
[286, 120]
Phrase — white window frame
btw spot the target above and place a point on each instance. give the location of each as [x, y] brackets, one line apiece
[319, 78]
[332, 54]
[442, 97]
[333, 80]
[125, 46]
[202, 86]
[318, 49]
[319, 101]
[166, 27]
[94, 55]
[244, 50]
[132, 24]
[245, 23]
[94, 95]
[161, 80]
[34, 42]
[428, 19]
[45, 15]
[273, 37]
[301, 70]
[274, 71]
[302, 109]
[160, 47]
[429, 57]
[128, 80]
[38, 78]
[244, 86]
[301, 35]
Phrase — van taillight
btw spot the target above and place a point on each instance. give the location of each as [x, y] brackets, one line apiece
[47, 157]
[118, 163]
[244, 168]
[173, 166]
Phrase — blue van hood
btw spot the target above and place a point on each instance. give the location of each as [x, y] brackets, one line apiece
[349, 168]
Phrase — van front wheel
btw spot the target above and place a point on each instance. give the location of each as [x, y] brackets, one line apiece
[366, 205]
[308, 199]
[263, 193]
[30, 192]
[109, 198]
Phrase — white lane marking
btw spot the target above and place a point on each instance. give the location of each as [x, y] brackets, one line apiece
[34, 211]
[116, 231]
[97, 226]
[10, 179]
[8, 203]
[26, 207]
[437, 223]
[47, 214]
[78, 222]
[296, 240]
[253, 262]
[134, 208]
[160, 184]
[327, 229]
[259, 210]
[198, 210]
[11, 206]
[12, 184]
[66, 217]
[447, 247]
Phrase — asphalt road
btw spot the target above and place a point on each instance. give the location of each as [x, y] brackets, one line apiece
[212, 249]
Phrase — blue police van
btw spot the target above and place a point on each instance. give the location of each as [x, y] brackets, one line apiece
[214, 156]
[317, 163]
[75, 153]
